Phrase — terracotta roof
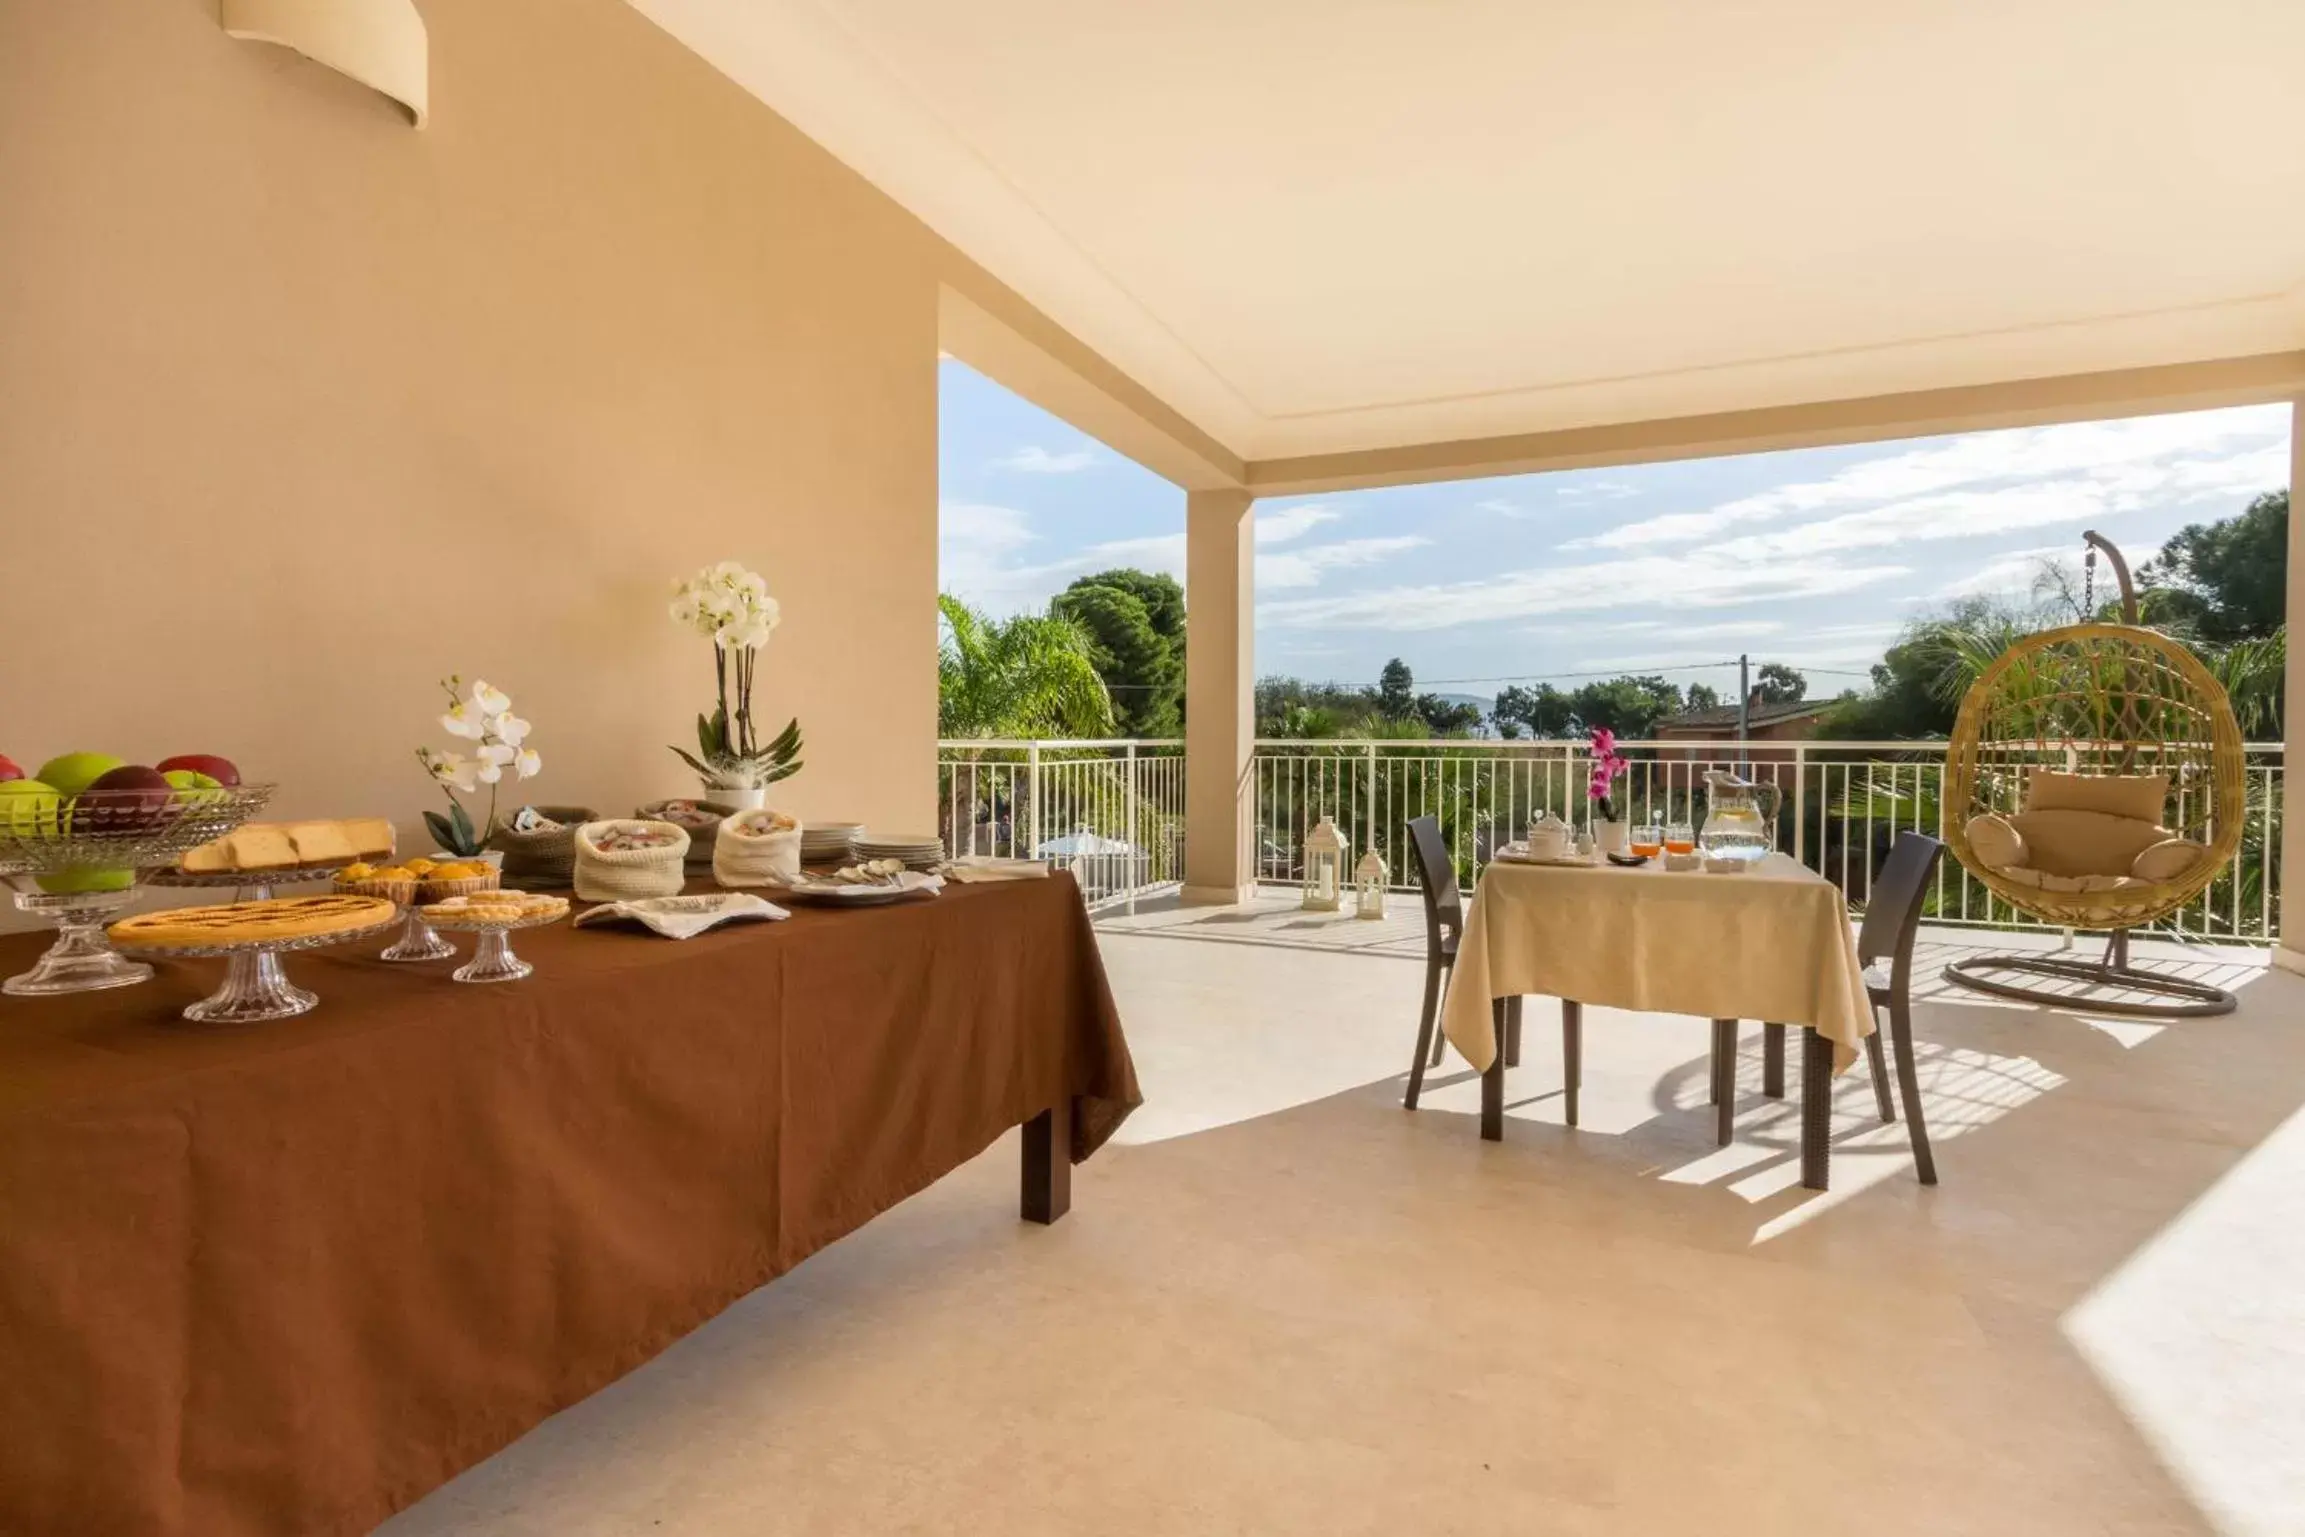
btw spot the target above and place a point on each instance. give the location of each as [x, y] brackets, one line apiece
[1725, 717]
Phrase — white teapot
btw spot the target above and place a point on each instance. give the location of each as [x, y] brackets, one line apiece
[1549, 837]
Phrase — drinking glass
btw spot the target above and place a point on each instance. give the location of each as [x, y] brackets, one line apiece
[1648, 840]
[1680, 838]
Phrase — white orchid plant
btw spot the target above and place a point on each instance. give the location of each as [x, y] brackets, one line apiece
[480, 714]
[730, 606]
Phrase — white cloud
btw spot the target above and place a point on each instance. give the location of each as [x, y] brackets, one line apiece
[1032, 459]
[1304, 567]
[1626, 583]
[1281, 524]
[1596, 491]
[2133, 462]
[2014, 572]
[1501, 508]
[980, 544]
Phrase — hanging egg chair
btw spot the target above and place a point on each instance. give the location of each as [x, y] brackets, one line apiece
[2095, 780]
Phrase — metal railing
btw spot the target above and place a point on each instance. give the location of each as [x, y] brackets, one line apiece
[1843, 804]
[1109, 810]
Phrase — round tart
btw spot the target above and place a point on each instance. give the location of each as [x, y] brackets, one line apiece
[245, 923]
[491, 907]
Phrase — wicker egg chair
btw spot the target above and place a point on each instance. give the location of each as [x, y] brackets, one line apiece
[2128, 744]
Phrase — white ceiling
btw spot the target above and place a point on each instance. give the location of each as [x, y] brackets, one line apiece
[1315, 225]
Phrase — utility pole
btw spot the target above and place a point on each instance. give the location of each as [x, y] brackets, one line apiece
[1744, 708]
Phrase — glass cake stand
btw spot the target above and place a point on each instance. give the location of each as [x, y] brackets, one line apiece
[417, 942]
[250, 973]
[113, 839]
[493, 960]
[255, 987]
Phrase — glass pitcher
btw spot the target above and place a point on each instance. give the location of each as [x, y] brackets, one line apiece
[1740, 816]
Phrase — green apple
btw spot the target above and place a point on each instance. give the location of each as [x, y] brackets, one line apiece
[192, 788]
[76, 771]
[30, 809]
[81, 879]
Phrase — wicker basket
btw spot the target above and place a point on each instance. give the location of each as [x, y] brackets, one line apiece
[548, 856]
[700, 839]
[742, 856]
[619, 875]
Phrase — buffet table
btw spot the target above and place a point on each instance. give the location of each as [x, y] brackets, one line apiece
[286, 1278]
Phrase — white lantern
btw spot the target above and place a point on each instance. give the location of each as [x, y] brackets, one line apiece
[1369, 880]
[1325, 852]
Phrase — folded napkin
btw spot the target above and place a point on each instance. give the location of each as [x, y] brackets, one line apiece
[684, 917]
[983, 867]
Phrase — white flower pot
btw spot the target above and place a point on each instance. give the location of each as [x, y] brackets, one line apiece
[737, 797]
[1613, 837]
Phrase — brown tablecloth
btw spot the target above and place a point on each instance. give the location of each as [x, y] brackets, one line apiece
[286, 1278]
[1772, 944]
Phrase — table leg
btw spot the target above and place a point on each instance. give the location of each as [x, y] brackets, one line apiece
[1773, 1061]
[1724, 1081]
[1493, 1081]
[1816, 1111]
[1048, 1163]
[1572, 1052]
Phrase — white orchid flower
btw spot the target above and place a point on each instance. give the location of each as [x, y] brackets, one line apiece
[495, 755]
[684, 608]
[464, 721]
[528, 765]
[488, 701]
[507, 728]
[452, 769]
[769, 612]
[488, 773]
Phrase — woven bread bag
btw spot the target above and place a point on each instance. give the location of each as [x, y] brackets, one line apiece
[620, 875]
[757, 848]
[548, 854]
[701, 831]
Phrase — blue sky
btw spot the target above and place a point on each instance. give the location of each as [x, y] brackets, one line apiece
[1815, 557]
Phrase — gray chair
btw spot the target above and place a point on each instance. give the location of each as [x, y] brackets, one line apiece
[1891, 926]
[1444, 924]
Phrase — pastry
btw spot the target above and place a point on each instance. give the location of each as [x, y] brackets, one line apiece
[491, 907]
[457, 878]
[281, 918]
[287, 845]
[395, 883]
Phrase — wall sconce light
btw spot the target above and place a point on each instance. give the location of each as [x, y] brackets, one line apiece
[380, 43]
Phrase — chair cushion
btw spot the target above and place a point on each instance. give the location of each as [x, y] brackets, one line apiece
[2168, 860]
[2084, 842]
[2139, 797]
[2043, 881]
[1996, 842]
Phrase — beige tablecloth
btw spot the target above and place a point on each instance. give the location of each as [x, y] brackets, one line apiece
[1771, 944]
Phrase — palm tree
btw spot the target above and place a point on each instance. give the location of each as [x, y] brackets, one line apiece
[1028, 676]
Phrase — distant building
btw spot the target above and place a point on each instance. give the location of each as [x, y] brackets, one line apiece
[1783, 722]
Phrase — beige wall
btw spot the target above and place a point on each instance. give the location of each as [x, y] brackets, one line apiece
[302, 409]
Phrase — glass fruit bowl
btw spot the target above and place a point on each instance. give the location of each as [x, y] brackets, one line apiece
[78, 860]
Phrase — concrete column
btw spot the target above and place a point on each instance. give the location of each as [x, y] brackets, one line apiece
[1220, 695]
[2290, 950]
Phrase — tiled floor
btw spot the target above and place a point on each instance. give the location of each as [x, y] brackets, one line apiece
[1282, 1304]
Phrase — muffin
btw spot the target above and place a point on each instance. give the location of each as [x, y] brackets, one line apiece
[457, 878]
[394, 883]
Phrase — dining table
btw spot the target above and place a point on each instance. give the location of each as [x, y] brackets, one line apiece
[1771, 942]
[280, 1279]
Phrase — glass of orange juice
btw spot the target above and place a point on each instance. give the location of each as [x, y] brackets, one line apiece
[1648, 841]
[1680, 838]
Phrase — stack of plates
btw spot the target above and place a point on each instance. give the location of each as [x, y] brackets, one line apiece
[919, 851]
[828, 843]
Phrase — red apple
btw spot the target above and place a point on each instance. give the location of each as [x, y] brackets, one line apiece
[130, 799]
[8, 769]
[219, 769]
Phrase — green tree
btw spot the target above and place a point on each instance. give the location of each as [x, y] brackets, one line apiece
[1291, 707]
[1032, 675]
[1448, 717]
[1543, 711]
[1397, 690]
[1136, 624]
[2225, 581]
[1702, 696]
[1777, 683]
[1630, 706]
